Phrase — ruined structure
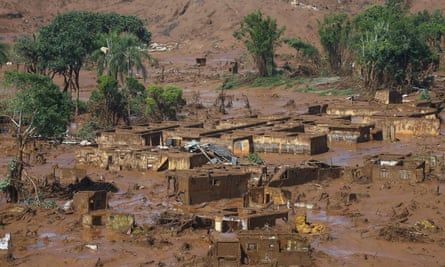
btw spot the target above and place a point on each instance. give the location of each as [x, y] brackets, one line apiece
[395, 167]
[208, 184]
[393, 120]
[93, 208]
[259, 248]
[307, 171]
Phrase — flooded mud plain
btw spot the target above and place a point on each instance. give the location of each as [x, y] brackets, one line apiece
[379, 227]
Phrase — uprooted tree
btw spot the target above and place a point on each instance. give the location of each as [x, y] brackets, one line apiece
[38, 109]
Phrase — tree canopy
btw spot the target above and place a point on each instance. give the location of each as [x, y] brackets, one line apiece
[4, 51]
[121, 55]
[163, 103]
[62, 46]
[334, 34]
[44, 109]
[393, 48]
[260, 36]
[107, 103]
[390, 47]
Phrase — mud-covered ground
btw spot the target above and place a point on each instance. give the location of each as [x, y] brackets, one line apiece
[382, 226]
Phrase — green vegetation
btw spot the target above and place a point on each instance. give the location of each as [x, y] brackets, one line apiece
[121, 55]
[307, 89]
[393, 48]
[335, 31]
[107, 104]
[254, 158]
[38, 109]
[424, 95]
[307, 50]
[63, 46]
[260, 36]
[336, 92]
[135, 95]
[87, 131]
[272, 81]
[4, 53]
[45, 110]
[163, 103]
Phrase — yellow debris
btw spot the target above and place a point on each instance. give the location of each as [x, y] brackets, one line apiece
[302, 226]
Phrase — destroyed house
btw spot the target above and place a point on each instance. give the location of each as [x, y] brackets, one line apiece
[394, 120]
[291, 143]
[269, 197]
[259, 248]
[69, 175]
[116, 159]
[89, 201]
[395, 167]
[234, 219]
[307, 172]
[338, 128]
[203, 185]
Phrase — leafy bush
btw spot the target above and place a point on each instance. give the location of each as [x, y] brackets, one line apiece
[4, 183]
[424, 95]
[87, 131]
[307, 89]
[254, 158]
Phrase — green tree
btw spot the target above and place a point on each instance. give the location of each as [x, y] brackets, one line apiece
[106, 103]
[66, 42]
[260, 36]
[29, 52]
[38, 109]
[335, 31]
[135, 95]
[307, 50]
[390, 47]
[163, 103]
[122, 55]
[4, 53]
[431, 28]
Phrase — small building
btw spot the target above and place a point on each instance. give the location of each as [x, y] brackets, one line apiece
[306, 172]
[69, 175]
[388, 97]
[88, 201]
[259, 248]
[225, 250]
[208, 184]
[394, 167]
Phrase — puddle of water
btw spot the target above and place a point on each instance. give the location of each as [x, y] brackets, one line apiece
[326, 218]
[45, 241]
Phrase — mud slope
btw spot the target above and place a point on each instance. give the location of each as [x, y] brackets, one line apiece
[199, 25]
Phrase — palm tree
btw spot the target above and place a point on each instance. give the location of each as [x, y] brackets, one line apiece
[122, 56]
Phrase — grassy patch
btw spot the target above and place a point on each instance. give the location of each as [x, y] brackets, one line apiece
[307, 89]
[272, 81]
[336, 92]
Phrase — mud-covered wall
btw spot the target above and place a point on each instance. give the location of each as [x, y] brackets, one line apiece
[186, 161]
[408, 125]
[408, 172]
[210, 187]
[108, 139]
[291, 144]
[117, 159]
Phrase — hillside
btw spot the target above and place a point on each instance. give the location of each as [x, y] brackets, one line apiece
[197, 26]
